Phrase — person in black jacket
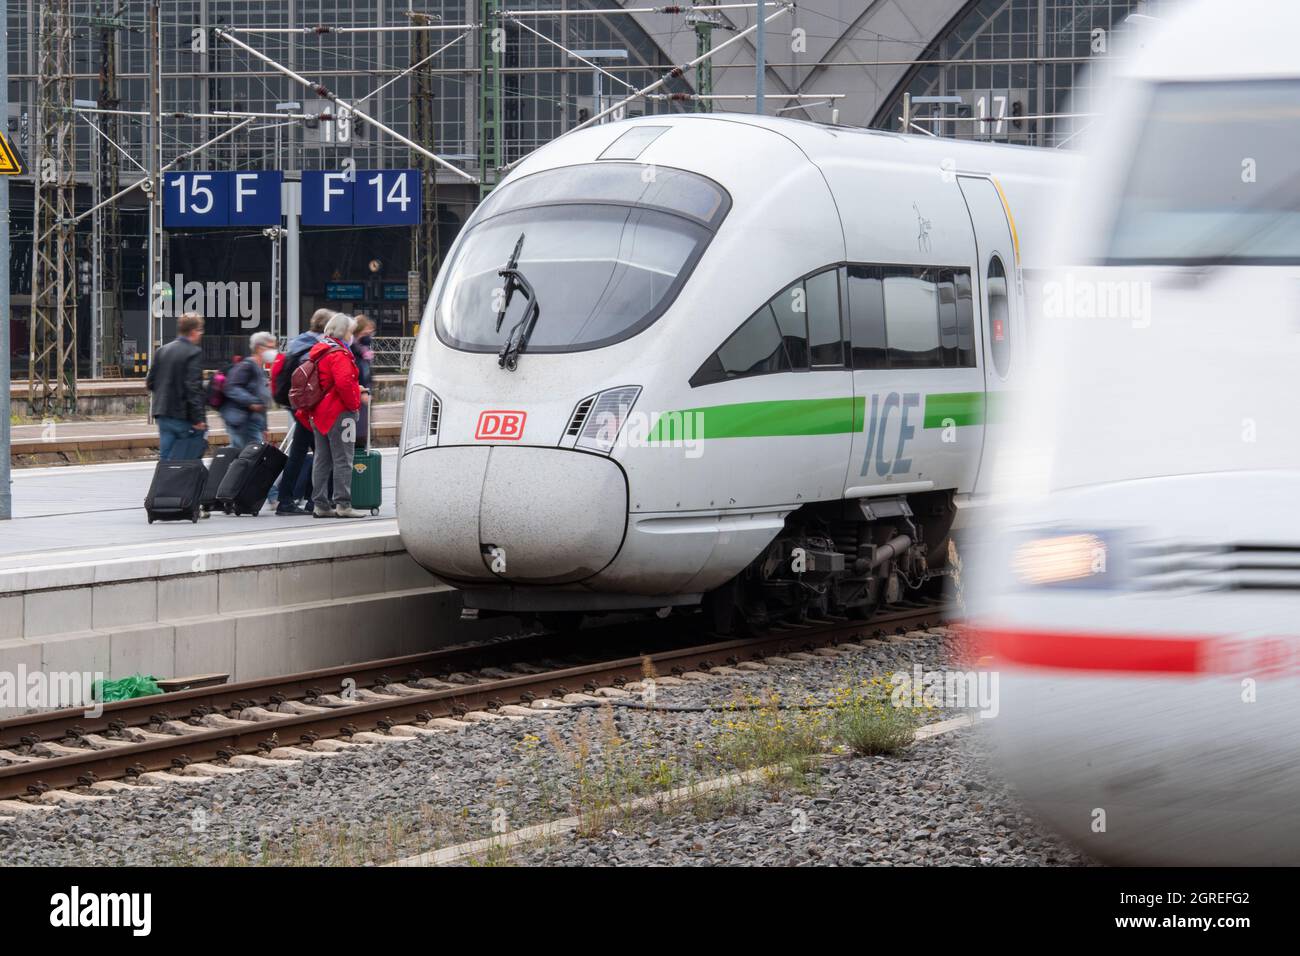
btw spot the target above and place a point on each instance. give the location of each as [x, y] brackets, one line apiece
[176, 380]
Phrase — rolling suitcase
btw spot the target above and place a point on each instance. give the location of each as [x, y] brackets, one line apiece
[367, 477]
[249, 479]
[216, 471]
[176, 492]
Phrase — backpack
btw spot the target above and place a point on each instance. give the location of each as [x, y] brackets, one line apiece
[217, 390]
[305, 390]
[282, 383]
[280, 380]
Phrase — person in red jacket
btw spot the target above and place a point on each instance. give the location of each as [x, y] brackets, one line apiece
[334, 420]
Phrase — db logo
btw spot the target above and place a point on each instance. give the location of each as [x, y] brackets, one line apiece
[500, 426]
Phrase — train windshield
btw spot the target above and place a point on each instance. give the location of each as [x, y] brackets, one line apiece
[1215, 177]
[606, 248]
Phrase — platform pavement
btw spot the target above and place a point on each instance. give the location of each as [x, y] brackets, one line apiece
[86, 584]
[100, 508]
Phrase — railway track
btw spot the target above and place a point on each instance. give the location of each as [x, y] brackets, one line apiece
[44, 755]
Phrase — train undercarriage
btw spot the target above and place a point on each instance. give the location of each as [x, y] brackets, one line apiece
[844, 559]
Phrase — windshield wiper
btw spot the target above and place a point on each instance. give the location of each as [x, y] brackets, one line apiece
[522, 331]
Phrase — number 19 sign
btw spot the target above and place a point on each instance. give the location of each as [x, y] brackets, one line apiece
[364, 197]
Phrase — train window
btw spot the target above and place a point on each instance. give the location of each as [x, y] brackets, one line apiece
[867, 317]
[826, 340]
[753, 349]
[1205, 215]
[602, 273]
[790, 306]
[999, 317]
[675, 190]
[912, 319]
[632, 143]
[947, 299]
[965, 319]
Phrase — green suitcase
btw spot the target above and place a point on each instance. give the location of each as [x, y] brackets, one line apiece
[367, 475]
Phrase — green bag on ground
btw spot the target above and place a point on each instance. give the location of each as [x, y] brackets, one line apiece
[137, 685]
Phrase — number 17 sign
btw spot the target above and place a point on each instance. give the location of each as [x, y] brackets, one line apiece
[364, 197]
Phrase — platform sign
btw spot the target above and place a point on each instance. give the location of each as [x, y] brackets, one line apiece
[11, 163]
[208, 199]
[326, 198]
[255, 198]
[387, 197]
[365, 197]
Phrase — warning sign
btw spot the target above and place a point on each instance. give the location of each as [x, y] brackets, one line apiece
[10, 162]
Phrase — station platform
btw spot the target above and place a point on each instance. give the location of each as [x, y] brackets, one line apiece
[87, 585]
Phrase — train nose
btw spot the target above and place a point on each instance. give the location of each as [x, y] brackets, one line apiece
[522, 515]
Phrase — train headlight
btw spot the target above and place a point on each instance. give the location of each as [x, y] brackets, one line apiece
[420, 421]
[607, 417]
[1074, 559]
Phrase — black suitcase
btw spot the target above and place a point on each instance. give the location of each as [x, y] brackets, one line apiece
[249, 479]
[176, 492]
[216, 472]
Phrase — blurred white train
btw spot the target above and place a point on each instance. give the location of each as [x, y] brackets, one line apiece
[1140, 590]
[719, 359]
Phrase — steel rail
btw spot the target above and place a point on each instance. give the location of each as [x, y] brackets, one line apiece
[221, 743]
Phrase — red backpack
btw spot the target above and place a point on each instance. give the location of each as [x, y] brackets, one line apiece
[305, 390]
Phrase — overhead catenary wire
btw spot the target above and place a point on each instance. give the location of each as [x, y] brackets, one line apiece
[166, 168]
[325, 93]
[680, 70]
[746, 96]
[576, 56]
[323, 30]
[414, 66]
[668, 9]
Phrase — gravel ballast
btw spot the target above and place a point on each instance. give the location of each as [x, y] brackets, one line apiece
[935, 803]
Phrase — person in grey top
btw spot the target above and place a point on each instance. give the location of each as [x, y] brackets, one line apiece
[248, 392]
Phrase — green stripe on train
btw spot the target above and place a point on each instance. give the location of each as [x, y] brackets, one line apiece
[807, 416]
[956, 408]
[804, 416]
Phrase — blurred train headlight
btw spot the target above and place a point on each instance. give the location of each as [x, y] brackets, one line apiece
[607, 417]
[420, 421]
[1071, 559]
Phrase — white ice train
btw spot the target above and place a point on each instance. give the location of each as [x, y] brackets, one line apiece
[1141, 592]
[713, 359]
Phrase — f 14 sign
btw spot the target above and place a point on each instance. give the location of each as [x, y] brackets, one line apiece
[364, 197]
[221, 199]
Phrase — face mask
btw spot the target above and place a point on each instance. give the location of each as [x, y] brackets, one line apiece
[269, 356]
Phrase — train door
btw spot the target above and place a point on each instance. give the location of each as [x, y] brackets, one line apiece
[917, 384]
[997, 278]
